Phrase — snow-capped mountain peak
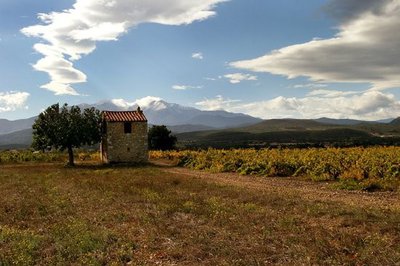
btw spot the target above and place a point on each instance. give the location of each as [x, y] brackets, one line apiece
[146, 103]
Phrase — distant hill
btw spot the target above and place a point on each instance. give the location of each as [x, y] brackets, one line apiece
[343, 122]
[395, 122]
[7, 126]
[375, 128]
[285, 125]
[18, 139]
[387, 120]
[222, 119]
[295, 132]
[234, 139]
[188, 128]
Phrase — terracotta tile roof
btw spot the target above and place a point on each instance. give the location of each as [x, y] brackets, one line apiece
[124, 116]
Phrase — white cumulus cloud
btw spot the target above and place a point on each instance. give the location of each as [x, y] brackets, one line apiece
[13, 100]
[367, 105]
[122, 103]
[365, 49]
[73, 33]
[239, 77]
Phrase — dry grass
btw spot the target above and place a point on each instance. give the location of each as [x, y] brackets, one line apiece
[150, 215]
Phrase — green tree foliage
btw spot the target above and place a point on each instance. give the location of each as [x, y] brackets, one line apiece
[160, 138]
[65, 128]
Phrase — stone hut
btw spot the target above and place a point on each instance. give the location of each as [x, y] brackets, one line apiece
[124, 137]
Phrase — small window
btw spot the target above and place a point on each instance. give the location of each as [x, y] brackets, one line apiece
[127, 127]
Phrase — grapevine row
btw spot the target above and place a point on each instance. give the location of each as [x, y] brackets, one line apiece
[355, 168]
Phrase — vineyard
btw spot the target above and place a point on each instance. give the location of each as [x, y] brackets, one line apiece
[368, 169]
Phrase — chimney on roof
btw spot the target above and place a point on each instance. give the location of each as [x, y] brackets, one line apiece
[139, 110]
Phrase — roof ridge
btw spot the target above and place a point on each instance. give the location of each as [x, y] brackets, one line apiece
[124, 116]
[119, 111]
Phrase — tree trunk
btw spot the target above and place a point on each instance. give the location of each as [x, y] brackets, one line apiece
[70, 156]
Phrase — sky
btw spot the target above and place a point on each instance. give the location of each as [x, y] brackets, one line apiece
[265, 58]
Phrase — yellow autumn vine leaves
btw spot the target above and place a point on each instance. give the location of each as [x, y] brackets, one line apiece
[358, 168]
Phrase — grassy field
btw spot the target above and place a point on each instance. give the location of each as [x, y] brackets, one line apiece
[148, 215]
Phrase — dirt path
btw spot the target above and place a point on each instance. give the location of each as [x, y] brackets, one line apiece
[315, 191]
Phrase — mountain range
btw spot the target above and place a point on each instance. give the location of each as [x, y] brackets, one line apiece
[158, 112]
[184, 120]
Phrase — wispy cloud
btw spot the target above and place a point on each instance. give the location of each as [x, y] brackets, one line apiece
[13, 100]
[198, 56]
[185, 87]
[73, 33]
[365, 50]
[331, 93]
[239, 77]
[310, 86]
[218, 103]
